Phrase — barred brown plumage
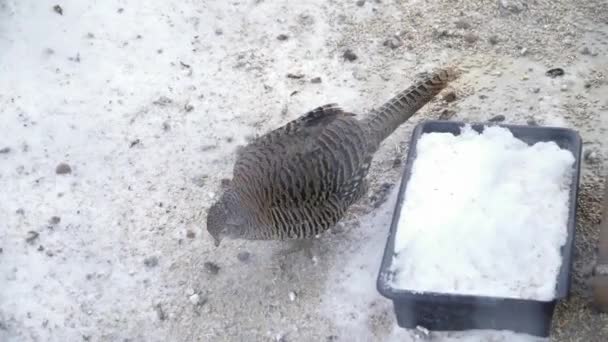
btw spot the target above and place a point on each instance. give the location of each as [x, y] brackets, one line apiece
[299, 180]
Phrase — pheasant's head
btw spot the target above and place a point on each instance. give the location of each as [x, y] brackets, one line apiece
[225, 218]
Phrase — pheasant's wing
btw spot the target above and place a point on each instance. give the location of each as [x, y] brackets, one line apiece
[294, 133]
[300, 162]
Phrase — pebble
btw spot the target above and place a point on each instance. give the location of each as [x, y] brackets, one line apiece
[63, 169]
[531, 122]
[349, 55]
[58, 9]
[195, 299]
[535, 90]
[211, 268]
[393, 42]
[446, 114]
[564, 87]
[243, 256]
[493, 40]
[282, 37]
[55, 220]
[555, 72]
[188, 107]
[591, 156]
[292, 296]
[470, 38]
[525, 77]
[315, 80]
[219, 31]
[31, 236]
[5, 150]
[151, 261]
[497, 118]
[449, 96]
[510, 6]
[584, 50]
[360, 3]
[190, 234]
[523, 51]
[462, 24]
[160, 313]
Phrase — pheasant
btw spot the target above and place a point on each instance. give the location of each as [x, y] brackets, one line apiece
[299, 180]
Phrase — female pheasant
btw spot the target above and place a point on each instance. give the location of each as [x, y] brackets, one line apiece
[299, 180]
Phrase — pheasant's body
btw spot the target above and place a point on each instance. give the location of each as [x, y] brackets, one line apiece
[300, 179]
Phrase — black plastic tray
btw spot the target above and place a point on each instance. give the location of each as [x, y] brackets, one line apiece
[452, 312]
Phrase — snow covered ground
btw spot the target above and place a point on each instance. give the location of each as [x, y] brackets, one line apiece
[146, 102]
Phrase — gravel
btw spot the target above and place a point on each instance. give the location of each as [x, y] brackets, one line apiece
[211, 268]
[63, 169]
[151, 261]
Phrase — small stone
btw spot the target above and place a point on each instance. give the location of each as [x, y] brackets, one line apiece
[55, 220]
[531, 122]
[555, 72]
[295, 76]
[134, 143]
[151, 261]
[393, 42]
[349, 55]
[31, 236]
[584, 50]
[564, 87]
[523, 51]
[160, 313]
[360, 3]
[535, 90]
[41, 248]
[63, 169]
[166, 126]
[292, 296]
[449, 96]
[462, 24]
[219, 31]
[493, 40]
[58, 9]
[525, 77]
[510, 6]
[497, 118]
[211, 268]
[188, 108]
[446, 114]
[282, 37]
[315, 80]
[591, 156]
[20, 211]
[470, 38]
[190, 234]
[5, 150]
[195, 299]
[243, 256]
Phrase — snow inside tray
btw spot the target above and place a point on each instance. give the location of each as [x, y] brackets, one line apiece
[485, 215]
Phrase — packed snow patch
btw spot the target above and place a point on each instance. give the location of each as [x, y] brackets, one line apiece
[484, 214]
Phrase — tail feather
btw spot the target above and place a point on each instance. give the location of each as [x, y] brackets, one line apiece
[384, 121]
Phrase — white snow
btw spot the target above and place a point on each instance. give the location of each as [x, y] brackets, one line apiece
[484, 214]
